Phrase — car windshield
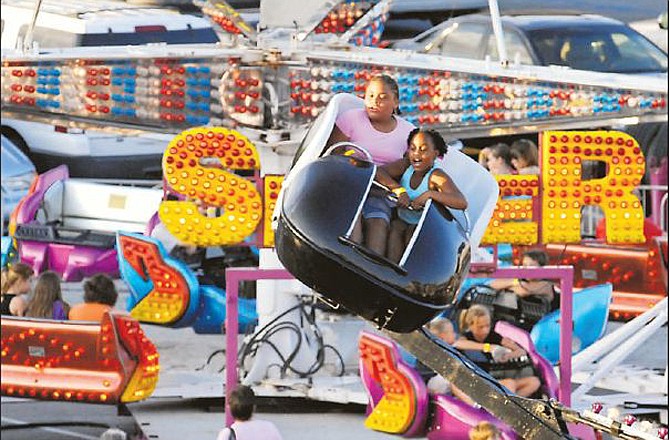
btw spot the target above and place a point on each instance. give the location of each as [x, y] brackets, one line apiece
[614, 49]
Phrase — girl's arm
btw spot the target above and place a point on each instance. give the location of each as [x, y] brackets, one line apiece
[336, 136]
[396, 168]
[385, 178]
[442, 190]
[382, 176]
[503, 283]
[525, 288]
[464, 343]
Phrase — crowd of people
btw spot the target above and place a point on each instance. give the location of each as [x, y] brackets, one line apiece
[44, 299]
[519, 158]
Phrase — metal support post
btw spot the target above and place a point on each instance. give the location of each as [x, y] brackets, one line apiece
[234, 275]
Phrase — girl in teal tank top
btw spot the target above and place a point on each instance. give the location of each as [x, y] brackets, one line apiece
[412, 216]
[422, 181]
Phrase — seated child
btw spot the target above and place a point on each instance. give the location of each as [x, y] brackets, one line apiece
[15, 289]
[99, 297]
[422, 181]
[443, 328]
[47, 301]
[523, 287]
[480, 337]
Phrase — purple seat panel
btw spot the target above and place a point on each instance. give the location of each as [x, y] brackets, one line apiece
[72, 263]
[542, 366]
[454, 418]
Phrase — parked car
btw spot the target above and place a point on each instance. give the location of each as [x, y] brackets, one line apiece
[17, 175]
[584, 42]
[408, 18]
[67, 23]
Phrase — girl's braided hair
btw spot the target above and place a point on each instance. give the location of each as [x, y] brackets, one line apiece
[438, 140]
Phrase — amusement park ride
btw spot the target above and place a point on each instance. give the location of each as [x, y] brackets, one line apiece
[247, 166]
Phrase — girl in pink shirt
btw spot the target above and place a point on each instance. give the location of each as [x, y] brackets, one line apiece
[383, 133]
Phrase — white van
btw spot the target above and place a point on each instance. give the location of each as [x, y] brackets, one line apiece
[67, 23]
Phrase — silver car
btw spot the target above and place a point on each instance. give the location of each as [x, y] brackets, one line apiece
[585, 42]
[18, 173]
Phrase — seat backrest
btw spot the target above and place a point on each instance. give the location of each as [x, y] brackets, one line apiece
[478, 186]
[90, 205]
[317, 135]
[51, 208]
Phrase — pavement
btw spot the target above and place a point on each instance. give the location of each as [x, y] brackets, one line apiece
[188, 400]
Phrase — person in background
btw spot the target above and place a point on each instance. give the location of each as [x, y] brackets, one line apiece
[443, 328]
[484, 431]
[99, 297]
[477, 323]
[524, 287]
[47, 301]
[244, 428]
[483, 157]
[383, 133]
[500, 160]
[525, 156]
[15, 289]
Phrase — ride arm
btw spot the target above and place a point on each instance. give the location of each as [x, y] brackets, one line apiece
[531, 419]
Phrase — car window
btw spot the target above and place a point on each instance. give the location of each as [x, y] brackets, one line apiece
[603, 49]
[464, 41]
[633, 50]
[514, 45]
